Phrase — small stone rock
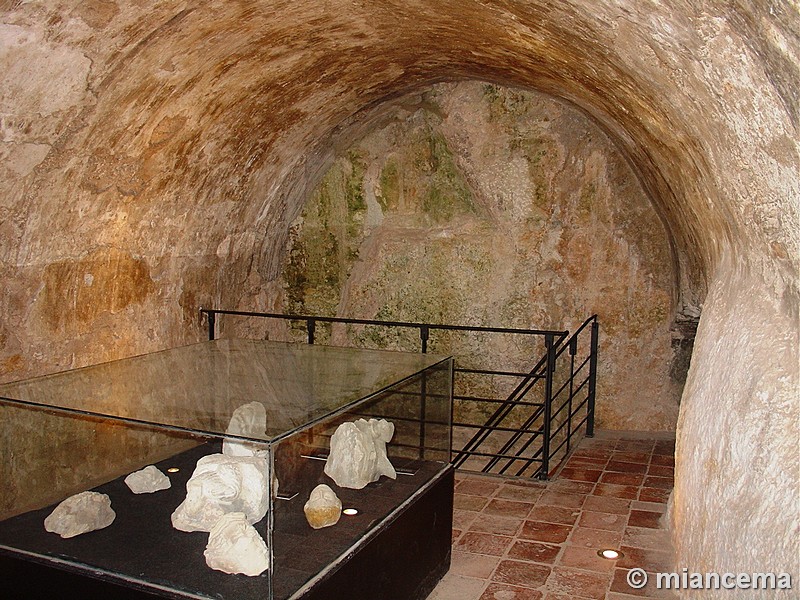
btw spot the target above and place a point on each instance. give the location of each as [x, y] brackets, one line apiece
[81, 513]
[223, 484]
[234, 546]
[323, 508]
[249, 420]
[358, 453]
[147, 480]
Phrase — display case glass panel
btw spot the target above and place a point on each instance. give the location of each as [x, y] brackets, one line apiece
[87, 429]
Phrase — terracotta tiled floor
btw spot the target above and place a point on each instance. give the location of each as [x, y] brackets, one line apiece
[528, 540]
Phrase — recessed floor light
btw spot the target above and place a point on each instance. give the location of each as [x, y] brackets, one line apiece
[609, 554]
[173, 470]
[350, 511]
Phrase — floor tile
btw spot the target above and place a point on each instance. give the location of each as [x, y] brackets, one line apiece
[645, 518]
[569, 486]
[508, 508]
[484, 543]
[462, 519]
[651, 506]
[475, 487]
[479, 566]
[469, 502]
[648, 559]
[561, 499]
[523, 493]
[589, 462]
[664, 447]
[600, 520]
[498, 525]
[554, 514]
[618, 596]
[663, 460]
[626, 467]
[631, 457]
[541, 531]
[619, 506]
[502, 591]
[595, 453]
[585, 558]
[534, 551]
[595, 538]
[618, 478]
[661, 471]
[635, 445]
[580, 474]
[639, 537]
[521, 573]
[577, 583]
[664, 483]
[654, 494]
[626, 492]
[458, 587]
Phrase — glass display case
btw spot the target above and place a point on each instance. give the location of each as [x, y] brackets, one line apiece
[241, 432]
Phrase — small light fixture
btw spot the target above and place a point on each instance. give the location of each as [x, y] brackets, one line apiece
[609, 554]
[350, 511]
[173, 470]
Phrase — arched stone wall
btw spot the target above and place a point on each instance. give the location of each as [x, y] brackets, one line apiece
[154, 153]
[481, 204]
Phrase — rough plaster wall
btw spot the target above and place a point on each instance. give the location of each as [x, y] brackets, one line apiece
[182, 139]
[484, 205]
[737, 493]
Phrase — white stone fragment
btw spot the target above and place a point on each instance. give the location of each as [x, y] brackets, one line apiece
[220, 485]
[81, 513]
[147, 480]
[323, 508]
[234, 546]
[358, 453]
[249, 420]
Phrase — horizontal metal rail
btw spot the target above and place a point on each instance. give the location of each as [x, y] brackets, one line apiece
[346, 320]
[534, 439]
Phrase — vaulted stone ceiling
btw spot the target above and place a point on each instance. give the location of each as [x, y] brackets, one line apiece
[212, 119]
[153, 154]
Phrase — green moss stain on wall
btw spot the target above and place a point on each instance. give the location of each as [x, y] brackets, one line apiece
[390, 191]
[421, 179]
[448, 193]
[326, 238]
[506, 104]
[586, 201]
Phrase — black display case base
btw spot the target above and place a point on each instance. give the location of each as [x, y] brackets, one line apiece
[402, 559]
[405, 559]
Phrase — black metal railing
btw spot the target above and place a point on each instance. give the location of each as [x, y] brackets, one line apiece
[532, 428]
[548, 434]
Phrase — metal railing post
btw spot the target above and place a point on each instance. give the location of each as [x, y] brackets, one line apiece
[548, 405]
[423, 410]
[592, 379]
[212, 324]
[424, 333]
[311, 326]
[573, 350]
